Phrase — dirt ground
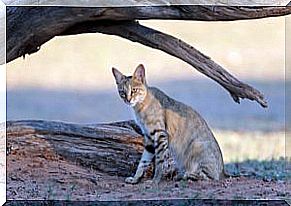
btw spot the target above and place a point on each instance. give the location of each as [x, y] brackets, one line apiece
[39, 174]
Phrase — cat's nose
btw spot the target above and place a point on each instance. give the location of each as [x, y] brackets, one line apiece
[128, 98]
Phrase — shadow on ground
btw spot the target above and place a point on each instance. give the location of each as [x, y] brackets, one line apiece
[267, 170]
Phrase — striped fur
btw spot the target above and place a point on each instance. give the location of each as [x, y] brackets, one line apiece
[168, 124]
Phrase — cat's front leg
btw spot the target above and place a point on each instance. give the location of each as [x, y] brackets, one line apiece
[146, 159]
[161, 143]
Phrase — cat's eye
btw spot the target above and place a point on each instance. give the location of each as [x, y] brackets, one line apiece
[122, 94]
[134, 90]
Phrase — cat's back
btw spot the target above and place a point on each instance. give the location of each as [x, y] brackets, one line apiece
[180, 115]
[169, 103]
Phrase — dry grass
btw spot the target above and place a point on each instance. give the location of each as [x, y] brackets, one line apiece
[239, 146]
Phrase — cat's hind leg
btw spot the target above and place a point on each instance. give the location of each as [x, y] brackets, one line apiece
[195, 171]
[146, 159]
[201, 171]
[198, 175]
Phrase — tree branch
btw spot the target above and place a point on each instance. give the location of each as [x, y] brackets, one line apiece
[175, 47]
[30, 27]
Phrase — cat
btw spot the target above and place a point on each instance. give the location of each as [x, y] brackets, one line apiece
[169, 125]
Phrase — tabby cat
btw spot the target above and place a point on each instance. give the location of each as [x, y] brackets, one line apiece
[169, 124]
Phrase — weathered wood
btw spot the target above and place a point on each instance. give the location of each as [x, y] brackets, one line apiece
[111, 148]
[30, 27]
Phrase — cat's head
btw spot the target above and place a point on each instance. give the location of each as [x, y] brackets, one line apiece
[132, 89]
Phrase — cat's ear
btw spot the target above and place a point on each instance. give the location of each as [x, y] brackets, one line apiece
[139, 73]
[118, 75]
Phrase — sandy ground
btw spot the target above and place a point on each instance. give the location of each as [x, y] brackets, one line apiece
[36, 172]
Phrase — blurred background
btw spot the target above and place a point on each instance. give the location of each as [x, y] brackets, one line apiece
[70, 80]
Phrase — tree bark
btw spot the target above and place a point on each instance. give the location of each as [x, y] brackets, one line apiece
[113, 148]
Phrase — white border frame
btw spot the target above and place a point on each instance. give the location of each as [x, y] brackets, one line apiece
[113, 3]
[3, 101]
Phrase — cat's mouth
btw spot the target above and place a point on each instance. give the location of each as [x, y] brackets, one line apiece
[132, 104]
[129, 103]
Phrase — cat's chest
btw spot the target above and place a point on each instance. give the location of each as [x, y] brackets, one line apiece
[150, 118]
[141, 122]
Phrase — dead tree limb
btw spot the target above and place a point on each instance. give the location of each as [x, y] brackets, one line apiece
[30, 27]
[114, 148]
[175, 47]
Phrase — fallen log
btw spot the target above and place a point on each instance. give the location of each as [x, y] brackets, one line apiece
[113, 148]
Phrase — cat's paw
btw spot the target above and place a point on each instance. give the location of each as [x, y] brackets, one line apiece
[186, 176]
[152, 182]
[131, 180]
